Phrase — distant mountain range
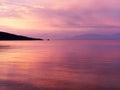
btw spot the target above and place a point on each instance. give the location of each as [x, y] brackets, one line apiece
[96, 37]
[9, 36]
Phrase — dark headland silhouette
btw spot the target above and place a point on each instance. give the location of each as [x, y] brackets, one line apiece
[9, 36]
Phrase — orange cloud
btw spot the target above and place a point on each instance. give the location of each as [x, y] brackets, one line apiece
[60, 17]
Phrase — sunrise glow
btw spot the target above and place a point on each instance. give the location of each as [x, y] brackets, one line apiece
[57, 19]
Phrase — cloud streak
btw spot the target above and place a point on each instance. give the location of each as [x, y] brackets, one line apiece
[56, 16]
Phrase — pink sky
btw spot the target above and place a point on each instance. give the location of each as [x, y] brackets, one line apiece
[59, 18]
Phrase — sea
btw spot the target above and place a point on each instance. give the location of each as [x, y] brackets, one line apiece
[60, 65]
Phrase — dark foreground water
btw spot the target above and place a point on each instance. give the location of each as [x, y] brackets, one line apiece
[60, 65]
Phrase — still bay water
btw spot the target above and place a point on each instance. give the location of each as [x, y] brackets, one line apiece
[60, 65]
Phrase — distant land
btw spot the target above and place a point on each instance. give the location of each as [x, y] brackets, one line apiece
[9, 36]
[96, 37]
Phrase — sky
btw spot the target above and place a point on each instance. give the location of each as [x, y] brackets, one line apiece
[57, 19]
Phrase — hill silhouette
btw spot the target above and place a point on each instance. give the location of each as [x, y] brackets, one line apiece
[9, 36]
[96, 37]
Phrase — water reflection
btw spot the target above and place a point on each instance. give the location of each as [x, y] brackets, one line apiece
[4, 47]
[12, 85]
[62, 65]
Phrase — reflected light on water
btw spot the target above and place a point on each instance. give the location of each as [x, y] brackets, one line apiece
[60, 65]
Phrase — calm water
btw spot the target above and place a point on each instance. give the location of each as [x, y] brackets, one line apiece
[60, 65]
